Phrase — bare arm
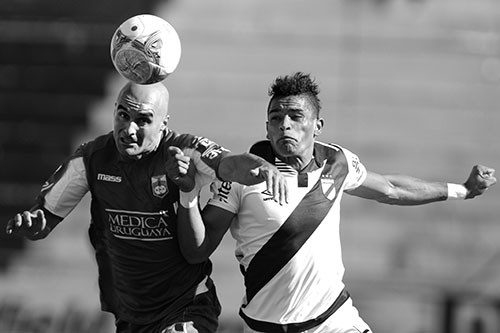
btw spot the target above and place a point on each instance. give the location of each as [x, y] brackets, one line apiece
[200, 233]
[245, 168]
[407, 190]
[400, 190]
[250, 169]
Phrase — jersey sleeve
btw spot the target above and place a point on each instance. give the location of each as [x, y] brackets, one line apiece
[62, 192]
[357, 171]
[206, 155]
[225, 195]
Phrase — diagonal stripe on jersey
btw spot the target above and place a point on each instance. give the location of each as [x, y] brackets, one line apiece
[297, 229]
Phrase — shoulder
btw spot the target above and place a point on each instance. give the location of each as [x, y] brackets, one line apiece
[101, 143]
[356, 171]
[172, 138]
[263, 149]
[340, 156]
[333, 150]
[329, 152]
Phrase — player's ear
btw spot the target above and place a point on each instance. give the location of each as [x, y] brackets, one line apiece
[318, 126]
[267, 130]
[164, 123]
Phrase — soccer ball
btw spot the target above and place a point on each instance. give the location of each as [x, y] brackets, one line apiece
[145, 49]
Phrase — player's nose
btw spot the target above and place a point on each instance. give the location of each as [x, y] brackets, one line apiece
[285, 123]
[132, 128]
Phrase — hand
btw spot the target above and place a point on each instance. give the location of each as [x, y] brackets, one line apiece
[275, 181]
[29, 224]
[480, 179]
[180, 169]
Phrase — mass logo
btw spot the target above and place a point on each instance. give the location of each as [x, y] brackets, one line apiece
[159, 186]
[109, 178]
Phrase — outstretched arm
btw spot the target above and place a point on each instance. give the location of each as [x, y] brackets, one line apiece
[245, 168]
[406, 190]
[250, 169]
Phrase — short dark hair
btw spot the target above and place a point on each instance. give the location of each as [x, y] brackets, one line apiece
[298, 83]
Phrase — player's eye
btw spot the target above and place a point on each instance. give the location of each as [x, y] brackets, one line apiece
[275, 118]
[121, 114]
[143, 121]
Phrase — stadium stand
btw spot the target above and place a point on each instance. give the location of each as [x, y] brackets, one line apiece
[54, 59]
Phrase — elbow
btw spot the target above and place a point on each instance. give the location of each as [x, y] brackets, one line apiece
[388, 200]
[226, 169]
[389, 197]
[402, 199]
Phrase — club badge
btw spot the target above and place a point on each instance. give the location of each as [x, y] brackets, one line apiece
[159, 186]
[328, 186]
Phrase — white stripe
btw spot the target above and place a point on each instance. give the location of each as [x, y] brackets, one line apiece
[132, 212]
[284, 168]
[143, 239]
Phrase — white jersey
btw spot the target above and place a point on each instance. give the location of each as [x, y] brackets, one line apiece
[296, 245]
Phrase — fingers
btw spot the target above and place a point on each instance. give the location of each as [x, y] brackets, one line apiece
[275, 183]
[40, 215]
[255, 172]
[173, 150]
[486, 174]
[484, 171]
[13, 224]
[179, 163]
[26, 218]
[183, 167]
[180, 169]
[27, 223]
[480, 180]
[282, 188]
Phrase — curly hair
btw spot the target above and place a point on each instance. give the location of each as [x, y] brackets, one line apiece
[296, 84]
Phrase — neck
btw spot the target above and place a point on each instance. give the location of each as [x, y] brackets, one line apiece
[145, 153]
[298, 162]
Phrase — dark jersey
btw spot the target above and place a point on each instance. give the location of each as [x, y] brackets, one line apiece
[142, 274]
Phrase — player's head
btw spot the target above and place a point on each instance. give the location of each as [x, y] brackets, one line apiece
[297, 84]
[140, 118]
[293, 120]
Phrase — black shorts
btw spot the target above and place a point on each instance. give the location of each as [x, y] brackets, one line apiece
[203, 312]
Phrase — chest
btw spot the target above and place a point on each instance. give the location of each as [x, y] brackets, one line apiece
[141, 187]
[258, 207]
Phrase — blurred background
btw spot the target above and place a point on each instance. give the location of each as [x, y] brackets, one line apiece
[411, 86]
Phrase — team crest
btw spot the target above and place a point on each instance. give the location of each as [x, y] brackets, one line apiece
[328, 186]
[159, 185]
